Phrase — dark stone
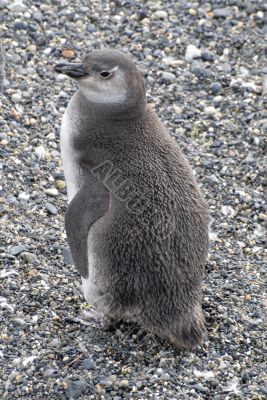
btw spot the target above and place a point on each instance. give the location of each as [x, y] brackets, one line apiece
[37, 16]
[141, 15]
[215, 87]
[91, 28]
[75, 389]
[67, 256]
[207, 56]
[88, 363]
[20, 25]
[16, 250]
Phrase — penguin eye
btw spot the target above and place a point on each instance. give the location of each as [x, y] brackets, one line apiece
[105, 74]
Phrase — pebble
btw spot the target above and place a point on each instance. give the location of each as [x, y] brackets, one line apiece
[222, 12]
[160, 14]
[215, 87]
[88, 363]
[60, 184]
[16, 97]
[207, 56]
[168, 77]
[210, 110]
[53, 192]
[75, 388]
[165, 377]
[17, 6]
[24, 196]
[124, 383]
[191, 53]
[16, 250]
[28, 257]
[67, 53]
[67, 256]
[51, 208]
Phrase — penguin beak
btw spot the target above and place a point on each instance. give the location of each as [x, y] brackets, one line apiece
[73, 70]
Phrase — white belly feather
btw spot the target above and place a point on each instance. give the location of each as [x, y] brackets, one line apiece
[72, 178]
[71, 170]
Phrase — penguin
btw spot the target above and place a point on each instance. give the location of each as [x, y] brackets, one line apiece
[136, 222]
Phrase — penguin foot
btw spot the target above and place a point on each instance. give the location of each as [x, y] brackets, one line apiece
[89, 318]
[108, 323]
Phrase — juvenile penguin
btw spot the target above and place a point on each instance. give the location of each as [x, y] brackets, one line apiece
[136, 222]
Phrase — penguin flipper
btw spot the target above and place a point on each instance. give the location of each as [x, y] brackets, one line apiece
[88, 205]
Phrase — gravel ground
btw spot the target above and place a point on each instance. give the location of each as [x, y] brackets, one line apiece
[204, 65]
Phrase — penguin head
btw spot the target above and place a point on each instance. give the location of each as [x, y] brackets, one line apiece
[107, 77]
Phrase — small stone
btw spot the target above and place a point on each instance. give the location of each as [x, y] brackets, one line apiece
[160, 14]
[29, 258]
[24, 196]
[74, 389]
[88, 363]
[37, 16]
[91, 28]
[67, 256]
[67, 53]
[60, 184]
[200, 71]
[207, 56]
[53, 192]
[228, 211]
[124, 383]
[3, 4]
[248, 297]
[32, 48]
[16, 97]
[40, 152]
[192, 12]
[20, 26]
[215, 87]
[165, 377]
[51, 208]
[200, 388]
[168, 77]
[210, 110]
[16, 250]
[192, 52]
[17, 6]
[222, 12]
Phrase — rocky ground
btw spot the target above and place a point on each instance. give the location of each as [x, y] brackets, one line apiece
[204, 66]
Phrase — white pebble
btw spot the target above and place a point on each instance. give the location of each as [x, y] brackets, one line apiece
[203, 374]
[213, 236]
[4, 273]
[52, 192]
[16, 97]
[17, 6]
[160, 14]
[228, 211]
[47, 51]
[24, 196]
[28, 360]
[192, 52]
[40, 152]
[210, 110]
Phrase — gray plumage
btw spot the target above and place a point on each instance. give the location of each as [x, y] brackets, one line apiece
[137, 223]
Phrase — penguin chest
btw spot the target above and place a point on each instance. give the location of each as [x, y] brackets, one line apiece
[71, 169]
